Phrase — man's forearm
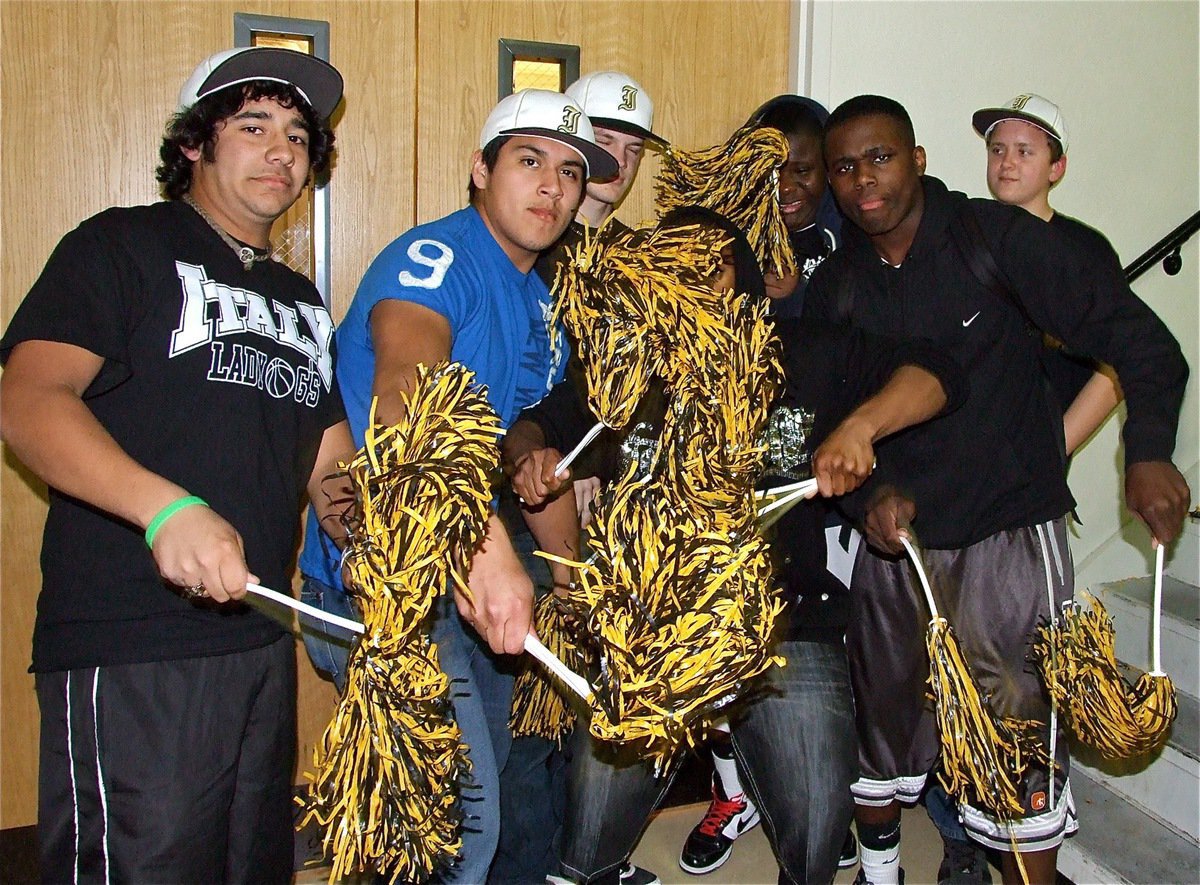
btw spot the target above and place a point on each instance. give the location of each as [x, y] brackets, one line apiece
[1090, 407]
[555, 527]
[522, 438]
[53, 431]
[501, 604]
[910, 396]
[329, 488]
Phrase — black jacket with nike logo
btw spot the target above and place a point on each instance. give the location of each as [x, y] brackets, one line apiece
[997, 462]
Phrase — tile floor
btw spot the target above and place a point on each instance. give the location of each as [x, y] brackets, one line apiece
[751, 862]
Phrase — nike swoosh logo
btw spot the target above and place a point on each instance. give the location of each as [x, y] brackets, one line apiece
[972, 319]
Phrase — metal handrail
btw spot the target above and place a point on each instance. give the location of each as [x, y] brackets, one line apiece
[1166, 250]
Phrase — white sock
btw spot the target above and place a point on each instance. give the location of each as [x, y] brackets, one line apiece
[727, 776]
[881, 867]
[725, 766]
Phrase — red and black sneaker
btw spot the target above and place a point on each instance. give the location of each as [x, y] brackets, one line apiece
[710, 842]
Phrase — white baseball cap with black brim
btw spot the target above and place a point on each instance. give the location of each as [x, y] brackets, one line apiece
[1031, 108]
[616, 101]
[550, 115]
[317, 81]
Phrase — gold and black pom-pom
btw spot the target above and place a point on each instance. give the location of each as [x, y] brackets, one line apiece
[391, 765]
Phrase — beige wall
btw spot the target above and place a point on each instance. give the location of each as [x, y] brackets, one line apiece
[1127, 76]
[80, 130]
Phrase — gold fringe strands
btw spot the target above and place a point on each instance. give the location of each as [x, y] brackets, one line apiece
[721, 406]
[740, 180]
[604, 316]
[675, 605]
[426, 489]
[537, 707]
[1078, 665]
[983, 755]
[679, 614]
[624, 298]
[391, 764]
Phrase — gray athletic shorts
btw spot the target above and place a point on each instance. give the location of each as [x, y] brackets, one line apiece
[993, 594]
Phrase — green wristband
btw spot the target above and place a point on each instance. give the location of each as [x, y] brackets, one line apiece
[167, 512]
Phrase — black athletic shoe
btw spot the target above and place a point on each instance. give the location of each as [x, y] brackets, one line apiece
[631, 875]
[849, 855]
[861, 878]
[963, 863]
[711, 841]
[625, 875]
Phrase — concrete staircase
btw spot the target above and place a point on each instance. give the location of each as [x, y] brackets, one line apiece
[1140, 818]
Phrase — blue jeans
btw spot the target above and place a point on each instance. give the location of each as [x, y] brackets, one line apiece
[943, 811]
[797, 753]
[533, 808]
[481, 694]
[611, 795]
[328, 646]
[533, 782]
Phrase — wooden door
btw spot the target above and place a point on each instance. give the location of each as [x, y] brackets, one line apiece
[87, 89]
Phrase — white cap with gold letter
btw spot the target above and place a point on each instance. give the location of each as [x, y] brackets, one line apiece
[616, 101]
[1041, 112]
[552, 115]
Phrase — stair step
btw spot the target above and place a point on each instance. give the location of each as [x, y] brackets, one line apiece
[1180, 600]
[1119, 843]
[1129, 604]
[1165, 784]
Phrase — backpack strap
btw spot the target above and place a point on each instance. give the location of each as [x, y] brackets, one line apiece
[843, 305]
[968, 238]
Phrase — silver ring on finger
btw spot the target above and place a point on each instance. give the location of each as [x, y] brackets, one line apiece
[195, 591]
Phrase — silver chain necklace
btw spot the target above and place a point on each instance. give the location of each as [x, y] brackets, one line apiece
[245, 254]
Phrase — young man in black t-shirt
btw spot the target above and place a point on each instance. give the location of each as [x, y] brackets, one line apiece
[173, 386]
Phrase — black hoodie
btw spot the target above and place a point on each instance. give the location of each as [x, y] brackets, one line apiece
[997, 462]
[828, 371]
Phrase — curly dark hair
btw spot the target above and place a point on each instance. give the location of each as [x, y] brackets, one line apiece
[197, 127]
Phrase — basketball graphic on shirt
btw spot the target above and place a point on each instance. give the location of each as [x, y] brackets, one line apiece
[279, 378]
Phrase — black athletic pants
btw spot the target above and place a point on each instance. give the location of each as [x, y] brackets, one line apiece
[174, 771]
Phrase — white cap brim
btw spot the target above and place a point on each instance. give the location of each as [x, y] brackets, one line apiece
[987, 119]
[599, 162]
